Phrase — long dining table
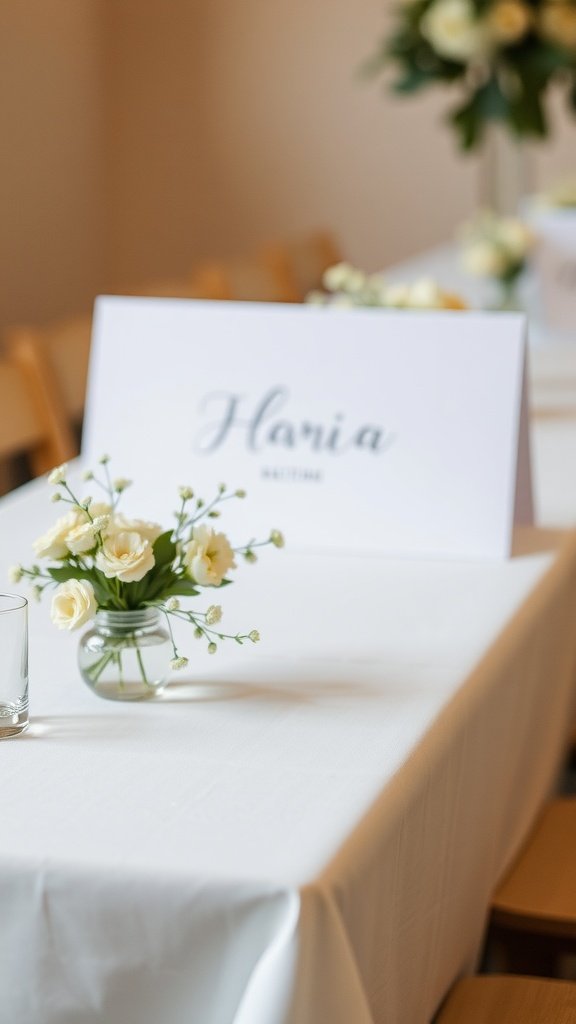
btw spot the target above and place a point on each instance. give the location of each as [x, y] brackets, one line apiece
[308, 831]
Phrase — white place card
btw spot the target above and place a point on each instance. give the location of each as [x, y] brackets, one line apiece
[359, 430]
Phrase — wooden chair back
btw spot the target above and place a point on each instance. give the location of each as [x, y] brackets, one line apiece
[506, 999]
[250, 279]
[30, 423]
[57, 357]
[303, 261]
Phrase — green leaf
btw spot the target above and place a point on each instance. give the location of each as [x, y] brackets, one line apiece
[527, 114]
[468, 124]
[413, 80]
[164, 549]
[67, 572]
[487, 104]
[181, 588]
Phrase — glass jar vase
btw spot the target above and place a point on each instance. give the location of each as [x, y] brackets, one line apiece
[505, 171]
[126, 655]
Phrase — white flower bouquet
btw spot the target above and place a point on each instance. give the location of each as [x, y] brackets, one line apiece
[127, 573]
[500, 55]
[497, 248]
[347, 287]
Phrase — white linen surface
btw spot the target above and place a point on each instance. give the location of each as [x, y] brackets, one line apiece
[305, 831]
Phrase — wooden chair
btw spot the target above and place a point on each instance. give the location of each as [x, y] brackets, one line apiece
[303, 261]
[250, 279]
[501, 999]
[533, 911]
[195, 286]
[56, 358]
[30, 422]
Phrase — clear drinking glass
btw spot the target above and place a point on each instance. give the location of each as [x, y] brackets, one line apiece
[13, 665]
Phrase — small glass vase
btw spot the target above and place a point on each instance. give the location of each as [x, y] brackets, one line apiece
[126, 655]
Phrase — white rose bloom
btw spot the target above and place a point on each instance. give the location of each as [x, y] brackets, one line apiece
[425, 294]
[336, 277]
[53, 543]
[149, 531]
[73, 604]
[515, 237]
[356, 281]
[453, 30]
[83, 538]
[125, 555]
[397, 295]
[99, 508]
[485, 259]
[208, 556]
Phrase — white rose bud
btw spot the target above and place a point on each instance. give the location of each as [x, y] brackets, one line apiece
[213, 615]
[15, 573]
[58, 474]
[73, 604]
[178, 663]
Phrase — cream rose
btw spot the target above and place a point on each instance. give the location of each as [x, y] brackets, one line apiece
[73, 604]
[508, 21]
[83, 538]
[53, 544]
[149, 531]
[125, 555]
[558, 23]
[516, 238]
[208, 556]
[453, 30]
[485, 258]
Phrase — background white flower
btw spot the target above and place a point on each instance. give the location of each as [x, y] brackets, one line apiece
[453, 30]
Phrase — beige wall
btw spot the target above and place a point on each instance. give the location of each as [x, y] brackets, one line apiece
[158, 194]
[50, 169]
[141, 134]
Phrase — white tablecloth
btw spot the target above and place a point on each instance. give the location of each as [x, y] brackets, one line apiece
[310, 831]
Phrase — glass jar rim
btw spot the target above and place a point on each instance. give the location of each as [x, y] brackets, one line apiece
[16, 603]
[119, 615]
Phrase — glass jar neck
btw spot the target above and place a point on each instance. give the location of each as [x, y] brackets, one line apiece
[122, 623]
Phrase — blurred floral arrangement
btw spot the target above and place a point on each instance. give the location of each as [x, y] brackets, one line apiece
[104, 561]
[561, 195]
[503, 55]
[347, 287]
[497, 248]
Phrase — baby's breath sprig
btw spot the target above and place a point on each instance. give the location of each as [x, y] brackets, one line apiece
[202, 622]
[276, 538]
[187, 521]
